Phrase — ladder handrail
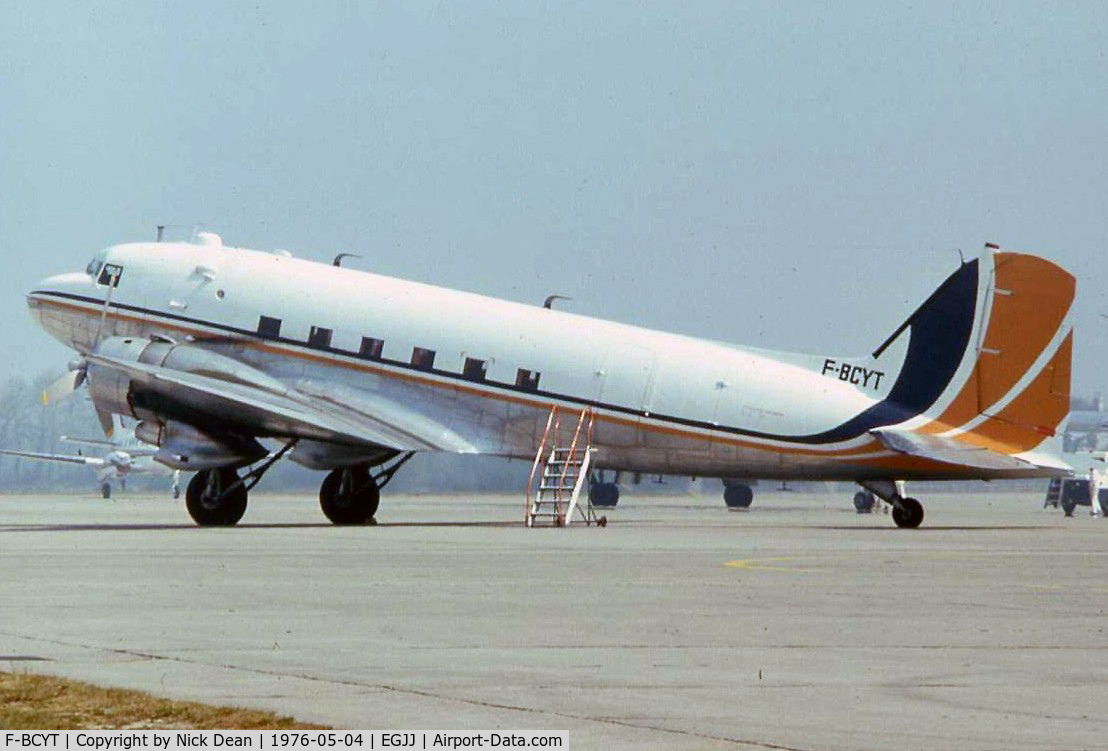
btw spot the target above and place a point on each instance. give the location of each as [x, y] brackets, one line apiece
[558, 492]
[550, 421]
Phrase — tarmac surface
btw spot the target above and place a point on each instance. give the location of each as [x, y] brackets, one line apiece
[796, 625]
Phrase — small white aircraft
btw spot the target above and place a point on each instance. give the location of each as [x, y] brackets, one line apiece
[125, 456]
[212, 348]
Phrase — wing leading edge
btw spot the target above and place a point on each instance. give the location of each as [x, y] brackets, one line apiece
[314, 410]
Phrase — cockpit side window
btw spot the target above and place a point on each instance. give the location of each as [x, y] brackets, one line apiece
[93, 267]
[110, 275]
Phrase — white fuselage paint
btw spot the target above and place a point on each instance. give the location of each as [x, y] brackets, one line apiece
[664, 403]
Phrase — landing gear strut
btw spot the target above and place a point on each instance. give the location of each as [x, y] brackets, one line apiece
[907, 512]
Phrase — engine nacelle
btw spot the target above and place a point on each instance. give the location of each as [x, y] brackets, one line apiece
[111, 389]
[182, 446]
[165, 423]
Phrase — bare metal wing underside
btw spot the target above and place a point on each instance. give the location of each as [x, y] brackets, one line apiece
[313, 410]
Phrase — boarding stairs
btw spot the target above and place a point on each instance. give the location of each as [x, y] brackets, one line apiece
[561, 471]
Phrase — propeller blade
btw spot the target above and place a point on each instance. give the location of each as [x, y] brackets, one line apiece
[62, 387]
[106, 422]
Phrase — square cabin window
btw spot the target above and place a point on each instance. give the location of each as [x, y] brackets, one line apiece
[424, 359]
[527, 380]
[474, 369]
[371, 348]
[319, 337]
[269, 328]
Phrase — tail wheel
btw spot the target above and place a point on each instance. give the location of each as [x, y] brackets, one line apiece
[349, 496]
[208, 502]
[909, 514]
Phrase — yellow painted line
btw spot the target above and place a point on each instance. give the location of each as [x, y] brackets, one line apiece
[765, 564]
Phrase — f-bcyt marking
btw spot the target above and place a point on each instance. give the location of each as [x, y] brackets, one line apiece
[855, 374]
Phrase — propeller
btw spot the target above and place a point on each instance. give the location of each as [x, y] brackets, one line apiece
[78, 369]
[64, 386]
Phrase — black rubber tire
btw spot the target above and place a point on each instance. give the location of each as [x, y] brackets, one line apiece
[1068, 505]
[106, 490]
[909, 515]
[204, 509]
[357, 507]
[604, 494]
[864, 502]
[738, 496]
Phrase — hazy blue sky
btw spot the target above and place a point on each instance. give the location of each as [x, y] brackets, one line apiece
[795, 176]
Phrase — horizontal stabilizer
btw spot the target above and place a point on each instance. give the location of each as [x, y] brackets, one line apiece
[952, 451]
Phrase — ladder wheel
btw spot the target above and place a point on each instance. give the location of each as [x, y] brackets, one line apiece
[602, 521]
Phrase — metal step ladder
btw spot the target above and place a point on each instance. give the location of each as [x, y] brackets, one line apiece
[561, 469]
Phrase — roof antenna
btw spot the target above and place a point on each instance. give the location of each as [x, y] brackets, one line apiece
[161, 231]
[340, 256]
[549, 301]
[961, 256]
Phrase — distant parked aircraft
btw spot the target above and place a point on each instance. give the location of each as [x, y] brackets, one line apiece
[125, 456]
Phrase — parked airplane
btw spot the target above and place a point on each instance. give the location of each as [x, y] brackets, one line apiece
[125, 456]
[1085, 429]
[212, 348]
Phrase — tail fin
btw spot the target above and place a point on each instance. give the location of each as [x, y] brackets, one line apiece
[988, 357]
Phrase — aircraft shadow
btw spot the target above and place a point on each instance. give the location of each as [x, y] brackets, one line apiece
[280, 525]
[926, 530]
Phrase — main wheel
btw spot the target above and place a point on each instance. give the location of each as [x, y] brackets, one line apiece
[209, 504]
[909, 514]
[863, 502]
[738, 496]
[106, 490]
[349, 496]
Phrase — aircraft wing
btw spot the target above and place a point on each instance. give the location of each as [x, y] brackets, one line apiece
[91, 461]
[313, 410]
[107, 445]
[952, 451]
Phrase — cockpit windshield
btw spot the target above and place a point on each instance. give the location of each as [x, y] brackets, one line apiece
[93, 267]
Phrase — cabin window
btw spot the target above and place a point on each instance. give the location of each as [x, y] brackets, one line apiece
[371, 348]
[474, 369]
[319, 337]
[270, 328]
[110, 274]
[424, 359]
[527, 379]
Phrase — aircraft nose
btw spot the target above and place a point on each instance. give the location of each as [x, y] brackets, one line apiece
[60, 285]
[54, 301]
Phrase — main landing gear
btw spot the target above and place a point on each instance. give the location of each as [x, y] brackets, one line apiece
[216, 497]
[350, 495]
[907, 512]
